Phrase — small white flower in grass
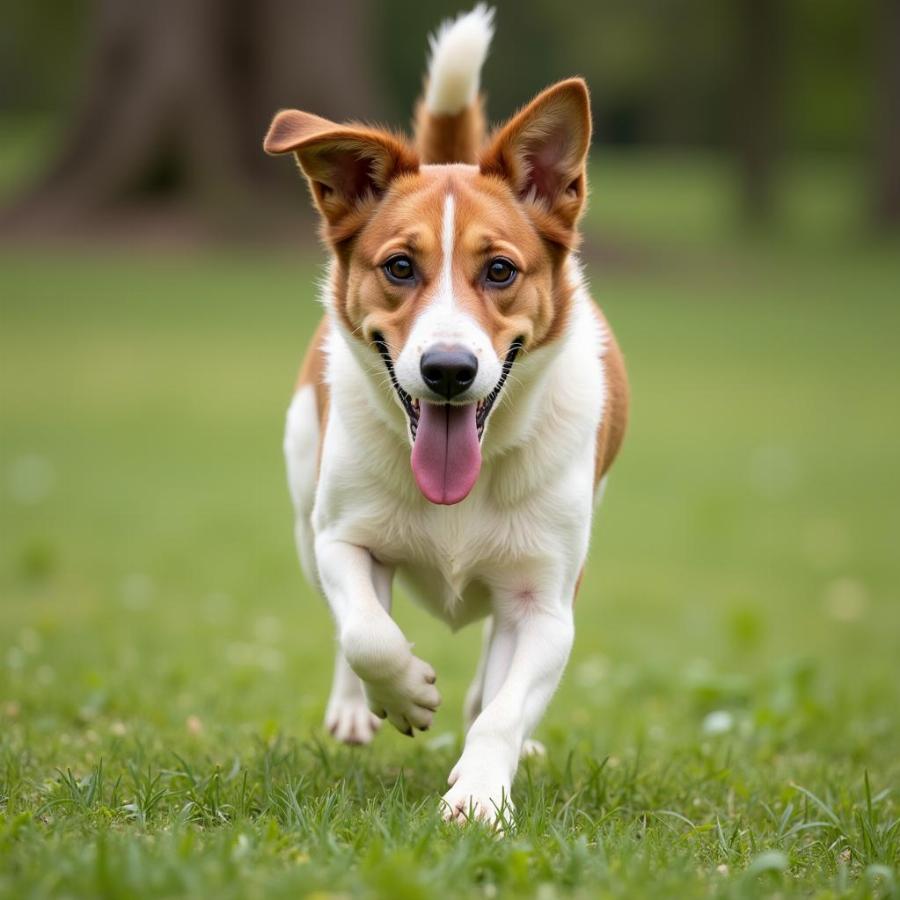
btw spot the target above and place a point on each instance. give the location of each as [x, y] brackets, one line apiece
[137, 591]
[846, 600]
[826, 542]
[722, 869]
[218, 607]
[30, 640]
[31, 479]
[592, 671]
[118, 728]
[241, 846]
[720, 721]
[268, 629]
[254, 655]
[768, 861]
[773, 471]
[193, 725]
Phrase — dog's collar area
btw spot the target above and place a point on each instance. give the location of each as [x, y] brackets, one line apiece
[412, 406]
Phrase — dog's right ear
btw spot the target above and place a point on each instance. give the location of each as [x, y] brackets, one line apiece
[347, 166]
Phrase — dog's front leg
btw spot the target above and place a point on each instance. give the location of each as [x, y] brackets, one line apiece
[519, 682]
[399, 686]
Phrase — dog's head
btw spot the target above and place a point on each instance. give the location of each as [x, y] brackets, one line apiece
[448, 272]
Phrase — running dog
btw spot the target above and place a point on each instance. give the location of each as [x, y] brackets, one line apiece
[459, 406]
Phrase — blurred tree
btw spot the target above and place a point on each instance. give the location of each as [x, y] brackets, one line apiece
[887, 135]
[179, 93]
[758, 106]
[174, 95]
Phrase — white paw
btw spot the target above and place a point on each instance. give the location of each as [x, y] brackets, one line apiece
[350, 720]
[407, 698]
[477, 800]
[533, 748]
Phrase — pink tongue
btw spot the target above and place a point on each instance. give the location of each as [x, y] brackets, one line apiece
[446, 455]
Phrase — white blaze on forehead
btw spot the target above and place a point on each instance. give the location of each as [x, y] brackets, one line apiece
[443, 321]
[448, 233]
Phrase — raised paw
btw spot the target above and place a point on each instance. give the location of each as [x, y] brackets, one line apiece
[350, 720]
[407, 698]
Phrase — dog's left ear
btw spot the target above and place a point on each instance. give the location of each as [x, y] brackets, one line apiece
[347, 166]
[542, 151]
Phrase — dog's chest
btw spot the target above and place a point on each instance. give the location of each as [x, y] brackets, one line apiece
[445, 557]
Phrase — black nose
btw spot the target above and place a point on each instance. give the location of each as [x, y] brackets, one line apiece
[449, 371]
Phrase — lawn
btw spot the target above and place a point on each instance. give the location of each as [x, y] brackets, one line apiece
[728, 725]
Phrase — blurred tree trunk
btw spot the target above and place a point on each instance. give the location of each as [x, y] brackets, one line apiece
[758, 107]
[887, 126]
[179, 93]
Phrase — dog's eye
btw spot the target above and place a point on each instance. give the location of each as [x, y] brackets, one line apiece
[500, 272]
[399, 269]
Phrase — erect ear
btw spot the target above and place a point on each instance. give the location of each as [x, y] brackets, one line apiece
[542, 150]
[345, 164]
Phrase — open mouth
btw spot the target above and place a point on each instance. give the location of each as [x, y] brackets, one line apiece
[446, 455]
[413, 406]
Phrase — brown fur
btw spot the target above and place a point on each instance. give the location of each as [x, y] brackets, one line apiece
[542, 153]
[522, 201]
[489, 221]
[450, 138]
[348, 167]
[312, 373]
[615, 417]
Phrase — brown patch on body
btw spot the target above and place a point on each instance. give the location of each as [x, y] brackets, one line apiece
[312, 373]
[615, 414]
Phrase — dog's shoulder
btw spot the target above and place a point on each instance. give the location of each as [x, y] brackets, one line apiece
[615, 414]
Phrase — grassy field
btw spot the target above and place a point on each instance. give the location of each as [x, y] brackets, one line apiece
[728, 725]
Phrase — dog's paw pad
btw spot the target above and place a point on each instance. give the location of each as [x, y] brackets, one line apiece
[409, 698]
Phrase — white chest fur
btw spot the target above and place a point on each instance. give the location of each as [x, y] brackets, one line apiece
[527, 520]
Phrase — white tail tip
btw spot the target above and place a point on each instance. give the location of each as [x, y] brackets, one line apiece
[458, 50]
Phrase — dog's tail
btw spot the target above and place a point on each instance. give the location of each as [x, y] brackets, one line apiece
[450, 115]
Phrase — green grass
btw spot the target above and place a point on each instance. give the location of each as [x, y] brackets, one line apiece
[728, 724]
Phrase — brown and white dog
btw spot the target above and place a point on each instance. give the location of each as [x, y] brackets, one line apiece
[459, 407]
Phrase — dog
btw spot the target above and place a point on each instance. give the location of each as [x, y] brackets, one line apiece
[459, 406]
